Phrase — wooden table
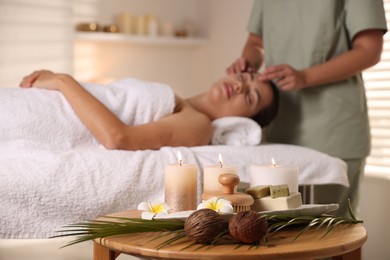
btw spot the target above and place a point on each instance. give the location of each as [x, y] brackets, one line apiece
[344, 242]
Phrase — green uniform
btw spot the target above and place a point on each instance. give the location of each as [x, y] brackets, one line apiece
[330, 118]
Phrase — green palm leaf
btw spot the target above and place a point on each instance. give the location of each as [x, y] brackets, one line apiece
[94, 229]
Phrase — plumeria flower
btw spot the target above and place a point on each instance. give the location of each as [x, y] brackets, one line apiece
[151, 209]
[218, 204]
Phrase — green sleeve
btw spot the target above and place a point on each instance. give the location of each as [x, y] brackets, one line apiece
[364, 14]
[256, 18]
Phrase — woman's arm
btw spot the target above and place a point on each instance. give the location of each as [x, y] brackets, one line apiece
[366, 51]
[175, 130]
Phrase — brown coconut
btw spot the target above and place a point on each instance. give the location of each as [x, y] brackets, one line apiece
[248, 227]
[204, 225]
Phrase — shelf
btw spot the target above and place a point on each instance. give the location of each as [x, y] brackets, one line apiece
[135, 39]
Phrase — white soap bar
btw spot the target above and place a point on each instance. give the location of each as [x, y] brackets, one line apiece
[268, 203]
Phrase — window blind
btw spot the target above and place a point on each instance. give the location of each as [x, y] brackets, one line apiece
[377, 82]
[85, 11]
[34, 35]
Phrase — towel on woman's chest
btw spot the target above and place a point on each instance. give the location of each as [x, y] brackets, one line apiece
[39, 118]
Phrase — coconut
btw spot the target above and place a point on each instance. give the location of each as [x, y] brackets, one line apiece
[204, 225]
[248, 227]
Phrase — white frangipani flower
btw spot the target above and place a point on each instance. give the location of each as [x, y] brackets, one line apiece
[151, 209]
[218, 204]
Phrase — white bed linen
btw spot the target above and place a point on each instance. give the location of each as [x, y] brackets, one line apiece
[40, 193]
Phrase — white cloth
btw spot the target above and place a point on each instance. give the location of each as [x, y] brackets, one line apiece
[237, 131]
[43, 119]
[40, 191]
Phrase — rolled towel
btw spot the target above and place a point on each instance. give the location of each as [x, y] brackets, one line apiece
[237, 131]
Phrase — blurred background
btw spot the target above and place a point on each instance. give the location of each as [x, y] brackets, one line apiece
[184, 43]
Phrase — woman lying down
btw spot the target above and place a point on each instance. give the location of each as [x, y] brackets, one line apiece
[128, 114]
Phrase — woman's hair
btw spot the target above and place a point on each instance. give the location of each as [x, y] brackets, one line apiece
[266, 115]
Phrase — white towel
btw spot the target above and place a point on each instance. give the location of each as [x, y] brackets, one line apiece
[236, 131]
[43, 119]
[41, 191]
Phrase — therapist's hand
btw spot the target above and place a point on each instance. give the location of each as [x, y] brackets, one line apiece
[285, 76]
[238, 66]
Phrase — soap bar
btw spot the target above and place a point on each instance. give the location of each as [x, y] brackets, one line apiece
[279, 191]
[258, 192]
[281, 203]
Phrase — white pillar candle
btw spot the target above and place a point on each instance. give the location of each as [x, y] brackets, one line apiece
[211, 174]
[274, 174]
[181, 185]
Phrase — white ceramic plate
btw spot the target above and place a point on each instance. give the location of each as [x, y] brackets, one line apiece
[304, 210]
[314, 210]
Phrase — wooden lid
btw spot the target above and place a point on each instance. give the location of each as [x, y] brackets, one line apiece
[228, 182]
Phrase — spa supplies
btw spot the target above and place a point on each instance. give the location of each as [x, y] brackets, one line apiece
[259, 192]
[240, 201]
[211, 174]
[274, 174]
[281, 203]
[277, 191]
[274, 197]
[180, 185]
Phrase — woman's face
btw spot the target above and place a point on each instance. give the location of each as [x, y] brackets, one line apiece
[239, 94]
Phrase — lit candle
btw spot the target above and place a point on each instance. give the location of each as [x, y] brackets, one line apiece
[274, 174]
[211, 174]
[181, 185]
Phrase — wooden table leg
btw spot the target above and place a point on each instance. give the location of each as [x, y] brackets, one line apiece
[353, 255]
[103, 253]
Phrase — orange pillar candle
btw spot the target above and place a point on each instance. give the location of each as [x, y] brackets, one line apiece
[181, 185]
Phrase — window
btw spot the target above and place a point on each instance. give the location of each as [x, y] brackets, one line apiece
[34, 35]
[377, 81]
[39, 34]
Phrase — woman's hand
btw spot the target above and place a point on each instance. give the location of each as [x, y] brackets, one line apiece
[285, 76]
[41, 79]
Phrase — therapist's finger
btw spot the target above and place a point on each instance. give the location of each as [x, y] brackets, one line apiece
[240, 65]
[233, 69]
[273, 73]
[272, 76]
[285, 83]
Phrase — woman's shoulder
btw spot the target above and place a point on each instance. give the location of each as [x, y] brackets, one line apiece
[197, 124]
[182, 106]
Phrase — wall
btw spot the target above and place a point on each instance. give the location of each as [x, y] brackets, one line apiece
[187, 69]
[174, 65]
[227, 20]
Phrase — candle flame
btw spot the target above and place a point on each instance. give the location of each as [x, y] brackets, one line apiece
[220, 160]
[273, 162]
[179, 158]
